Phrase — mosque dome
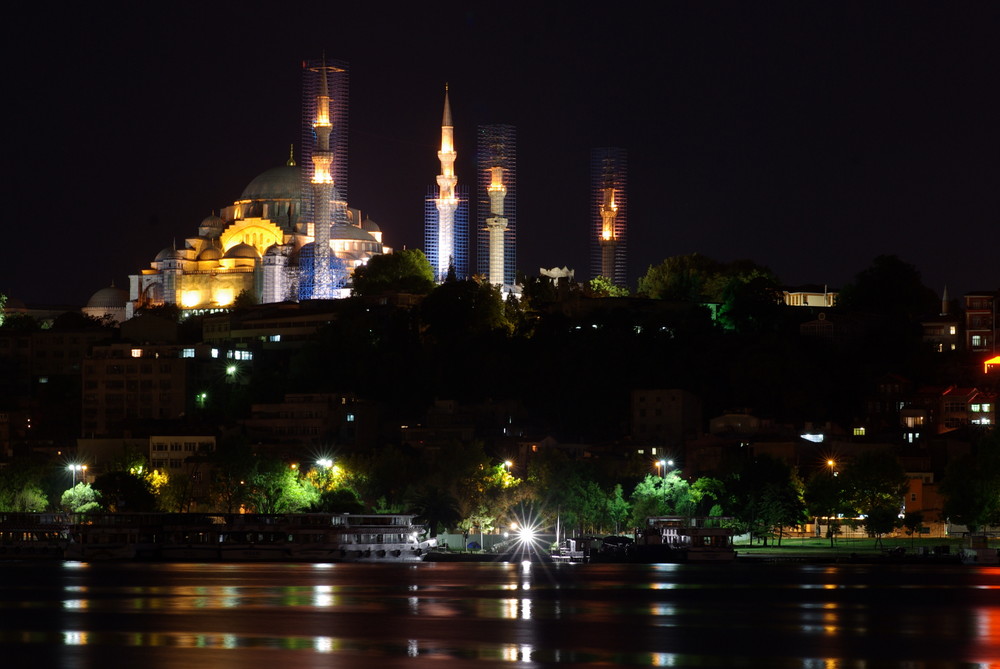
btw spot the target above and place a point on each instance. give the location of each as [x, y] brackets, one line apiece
[168, 253]
[242, 251]
[368, 225]
[211, 253]
[345, 231]
[211, 226]
[108, 298]
[273, 250]
[277, 183]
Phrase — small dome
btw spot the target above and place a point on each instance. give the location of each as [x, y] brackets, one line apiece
[211, 226]
[368, 225]
[273, 250]
[211, 253]
[108, 298]
[277, 183]
[242, 251]
[168, 253]
[350, 232]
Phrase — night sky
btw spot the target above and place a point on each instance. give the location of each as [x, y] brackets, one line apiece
[809, 137]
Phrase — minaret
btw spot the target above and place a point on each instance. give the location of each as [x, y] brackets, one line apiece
[609, 240]
[496, 212]
[322, 192]
[496, 224]
[446, 202]
[609, 214]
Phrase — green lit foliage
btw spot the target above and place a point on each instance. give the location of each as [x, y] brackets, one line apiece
[81, 498]
[276, 487]
[601, 286]
[22, 487]
[406, 271]
[658, 495]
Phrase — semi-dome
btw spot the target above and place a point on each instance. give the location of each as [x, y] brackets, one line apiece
[242, 251]
[351, 232]
[277, 183]
[211, 253]
[108, 298]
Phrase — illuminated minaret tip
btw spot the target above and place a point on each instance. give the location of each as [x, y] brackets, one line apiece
[446, 202]
[609, 240]
[322, 191]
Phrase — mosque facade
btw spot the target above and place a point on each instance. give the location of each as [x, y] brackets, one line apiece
[290, 236]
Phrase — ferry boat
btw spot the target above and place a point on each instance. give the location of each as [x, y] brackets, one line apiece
[33, 535]
[319, 537]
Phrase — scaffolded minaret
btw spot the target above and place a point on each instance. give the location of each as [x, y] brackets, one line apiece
[496, 165]
[322, 193]
[608, 179]
[446, 201]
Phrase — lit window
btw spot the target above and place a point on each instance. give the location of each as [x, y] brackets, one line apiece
[137, 353]
[274, 338]
[350, 418]
[215, 353]
[951, 330]
[187, 353]
[859, 432]
[986, 408]
[974, 407]
[977, 340]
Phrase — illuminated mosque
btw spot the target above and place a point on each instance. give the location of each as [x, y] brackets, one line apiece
[290, 236]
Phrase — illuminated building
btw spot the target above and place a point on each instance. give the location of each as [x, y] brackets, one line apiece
[446, 212]
[290, 236]
[981, 321]
[609, 214]
[496, 166]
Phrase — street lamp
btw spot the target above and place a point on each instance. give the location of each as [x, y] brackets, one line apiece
[507, 464]
[832, 464]
[76, 468]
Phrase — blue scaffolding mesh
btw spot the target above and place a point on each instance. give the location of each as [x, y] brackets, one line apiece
[609, 167]
[496, 145]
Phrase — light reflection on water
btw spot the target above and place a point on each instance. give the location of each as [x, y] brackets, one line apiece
[185, 615]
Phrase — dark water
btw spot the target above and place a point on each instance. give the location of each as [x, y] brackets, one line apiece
[285, 616]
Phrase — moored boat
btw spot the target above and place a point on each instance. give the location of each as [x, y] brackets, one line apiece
[310, 537]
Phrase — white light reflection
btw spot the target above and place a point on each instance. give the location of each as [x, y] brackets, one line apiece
[75, 604]
[322, 596]
[413, 648]
[663, 660]
[323, 644]
[74, 638]
[414, 603]
[518, 653]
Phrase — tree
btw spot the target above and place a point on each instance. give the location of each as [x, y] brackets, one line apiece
[437, 508]
[913, 521]
[971, 486]
[661, 496]
[457, 310]
[81, 498]
[125, 491]
[601, 286]
[874, 486]
[824, 497]
[685, 278]
[765, 495]
[406, 271]
[892, 287]
[275, 487]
